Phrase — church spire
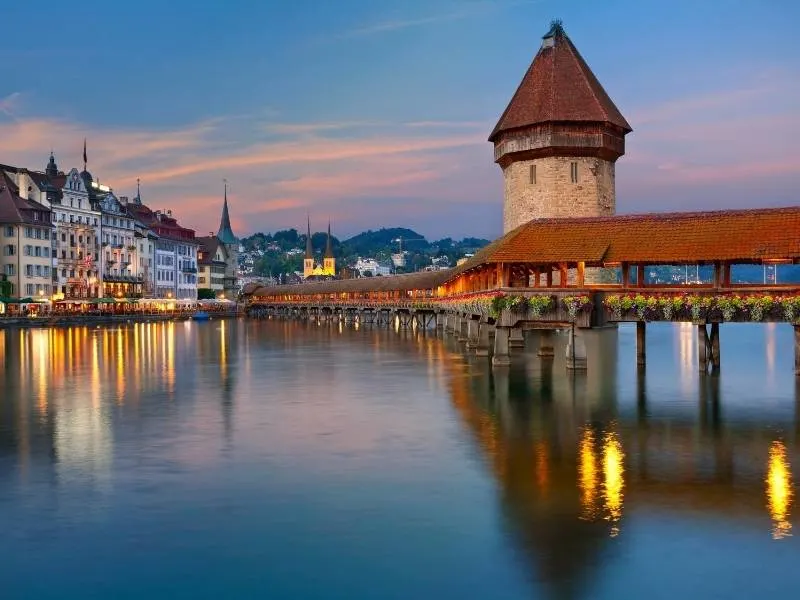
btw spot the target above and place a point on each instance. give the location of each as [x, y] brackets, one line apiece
[329, 246]
[225, 233]
[309, 245]
[52, 169]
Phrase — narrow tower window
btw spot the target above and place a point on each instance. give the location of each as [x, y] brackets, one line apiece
[533, 174]
[573, 172]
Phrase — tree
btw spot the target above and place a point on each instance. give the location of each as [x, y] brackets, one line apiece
[206, 294]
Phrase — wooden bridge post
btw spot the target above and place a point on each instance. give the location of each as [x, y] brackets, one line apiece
[715, 358]
[703, 347]
[797, 350]
[641, 340]
[501, 356]
[545, 344]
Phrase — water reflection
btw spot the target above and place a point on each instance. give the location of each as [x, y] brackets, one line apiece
[583, 469]
[779, 490]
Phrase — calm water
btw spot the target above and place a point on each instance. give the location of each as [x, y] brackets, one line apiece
[286, 460]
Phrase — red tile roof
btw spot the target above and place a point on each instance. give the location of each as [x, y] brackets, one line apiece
[559, 87]
[666, 238]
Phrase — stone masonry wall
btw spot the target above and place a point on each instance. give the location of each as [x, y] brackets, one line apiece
[554, 194]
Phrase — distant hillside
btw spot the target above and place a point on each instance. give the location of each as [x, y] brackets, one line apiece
[381, 244]
[369, 242]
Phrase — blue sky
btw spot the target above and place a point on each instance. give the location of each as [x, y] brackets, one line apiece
[376, 113]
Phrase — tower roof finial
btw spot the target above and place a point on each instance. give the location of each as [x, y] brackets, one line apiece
[556, 28]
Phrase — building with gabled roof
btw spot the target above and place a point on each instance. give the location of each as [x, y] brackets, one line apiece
[26, 232]
[558, 139]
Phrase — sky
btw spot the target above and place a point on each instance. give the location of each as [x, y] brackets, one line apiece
[376, 113]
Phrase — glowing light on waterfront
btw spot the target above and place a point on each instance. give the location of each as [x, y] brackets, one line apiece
[587, 474]
[613, 479]
[779, 490]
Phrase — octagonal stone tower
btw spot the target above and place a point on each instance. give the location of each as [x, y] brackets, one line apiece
[558, 139]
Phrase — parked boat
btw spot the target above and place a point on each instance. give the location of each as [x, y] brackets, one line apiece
[201, 315]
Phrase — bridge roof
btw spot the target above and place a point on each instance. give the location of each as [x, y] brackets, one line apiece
[411, 281]
[658, 238]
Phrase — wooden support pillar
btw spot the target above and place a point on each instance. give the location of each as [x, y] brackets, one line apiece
[546, 344]
[626, 274]
[562, 268]
[717, 276]
[581, 274]
[715, 358]
[726, 274]
[482, 349]
[703, 347]
[639, 275]
[536, 275]
[641, 338]
[550, 277]
[501, 356]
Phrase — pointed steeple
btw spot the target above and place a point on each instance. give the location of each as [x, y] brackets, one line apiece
[329, 245]
[52, 169]
[309, 245]
[225, 233]
[559, 87]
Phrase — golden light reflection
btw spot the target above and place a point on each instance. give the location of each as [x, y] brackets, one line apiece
[223, 350]
[779, 490]
[613, 479]
[588, 474]
[592, 468]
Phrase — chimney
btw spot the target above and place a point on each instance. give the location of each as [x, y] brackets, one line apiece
[123, 200]
[169, 212]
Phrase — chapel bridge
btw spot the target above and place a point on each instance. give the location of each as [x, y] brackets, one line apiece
[575, 274]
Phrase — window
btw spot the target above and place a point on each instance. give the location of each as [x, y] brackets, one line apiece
[30, 289]
[10, 270]
[573, 172]
[29, 270]
[9, 231]
[38, 270]
[533, 174]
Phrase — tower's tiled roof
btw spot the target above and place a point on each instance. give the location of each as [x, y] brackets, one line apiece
[559, 87]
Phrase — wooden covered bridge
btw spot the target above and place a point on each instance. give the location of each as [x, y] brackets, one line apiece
[576, 274]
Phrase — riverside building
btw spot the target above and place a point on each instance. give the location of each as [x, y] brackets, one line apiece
[26, 233]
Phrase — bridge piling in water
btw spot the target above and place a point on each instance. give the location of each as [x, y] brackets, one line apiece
[576, 351]
[641, 343]
[482, 347]
[473, 327]
[797, 350]
[516, 338]
[501, 356]
[546, 344]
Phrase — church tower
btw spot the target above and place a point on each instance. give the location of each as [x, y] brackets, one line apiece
[308, 261]
[558, 139]
[228, 239]
[329, 261]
